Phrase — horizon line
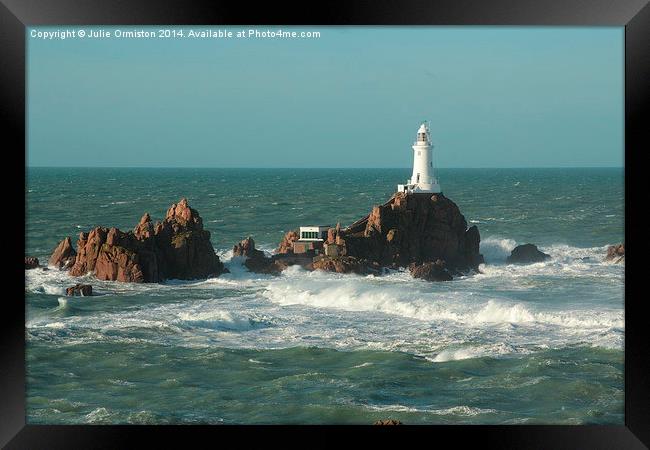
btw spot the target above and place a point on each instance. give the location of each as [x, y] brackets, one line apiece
[313, 168]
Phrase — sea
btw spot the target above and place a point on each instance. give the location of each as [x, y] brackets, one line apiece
[514, 344]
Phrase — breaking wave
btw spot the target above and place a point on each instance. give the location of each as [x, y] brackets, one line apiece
[496, 249]
[505, 309]
[217, 320]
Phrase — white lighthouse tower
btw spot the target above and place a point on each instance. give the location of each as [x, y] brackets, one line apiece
[423, 178]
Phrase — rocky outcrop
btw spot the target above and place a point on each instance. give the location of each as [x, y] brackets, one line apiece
[63, 256]
[431, 271]
[176, 248]
[247, 248]
[286, 245]
[31, 263]
[182, 247]
[84, 290]
[346, 264]
[388, 422]
[526, 254]
[411, 228]
[118, 259]
[616, 253]
[256, 261]
[88, 248]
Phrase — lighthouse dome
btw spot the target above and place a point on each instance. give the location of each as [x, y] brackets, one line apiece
[423, 133]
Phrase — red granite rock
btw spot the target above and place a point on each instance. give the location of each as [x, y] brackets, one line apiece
[84, 290]
[88, 248]
[286, 246]
[64, 255]
[247, 248]
[412, 228]
[178, 247]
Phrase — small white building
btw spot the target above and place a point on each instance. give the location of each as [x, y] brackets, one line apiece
[311, 240]
[423, 178]
[314, 233]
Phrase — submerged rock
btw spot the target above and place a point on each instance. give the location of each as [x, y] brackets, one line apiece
[31, 262]
[270, 266]
[178, 248]
[431, 271]
[84, 290]
[526, 254]
[63, 256]
[616, 253]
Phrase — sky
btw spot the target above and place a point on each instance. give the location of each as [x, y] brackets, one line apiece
[354, 97]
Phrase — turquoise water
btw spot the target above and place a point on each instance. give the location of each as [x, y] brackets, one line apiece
[541, 343]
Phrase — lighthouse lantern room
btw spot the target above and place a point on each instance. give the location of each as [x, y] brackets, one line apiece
[423, 178]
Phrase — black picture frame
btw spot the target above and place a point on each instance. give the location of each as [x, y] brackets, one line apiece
[16, 15]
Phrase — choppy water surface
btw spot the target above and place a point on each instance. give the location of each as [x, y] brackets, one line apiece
[541, 343]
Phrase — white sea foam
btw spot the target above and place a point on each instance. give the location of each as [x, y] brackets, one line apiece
[354, 293]
[118, 382]
[496, 249]
[98, 415]
[358, 294]
[461, 410]
[396, 408]
[254, 361]
[215, 320]
[464, 411]
[495, 312]
[365, 364]
[54, 325]
[455, 355]
[51, 282]
[507, 309]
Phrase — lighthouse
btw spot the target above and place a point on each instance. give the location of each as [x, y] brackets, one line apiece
[423, 178]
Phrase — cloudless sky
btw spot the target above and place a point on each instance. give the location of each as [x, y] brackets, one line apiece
[495, 96]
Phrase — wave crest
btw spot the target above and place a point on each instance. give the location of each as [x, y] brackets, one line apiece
[216, 320]
[496, 249]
